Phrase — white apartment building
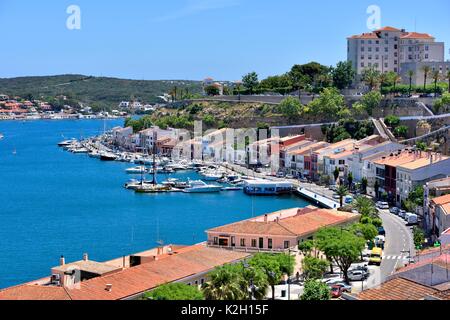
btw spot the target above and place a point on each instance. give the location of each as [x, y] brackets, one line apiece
[388, 48]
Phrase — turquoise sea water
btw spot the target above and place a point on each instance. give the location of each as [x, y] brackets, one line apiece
[55, 203]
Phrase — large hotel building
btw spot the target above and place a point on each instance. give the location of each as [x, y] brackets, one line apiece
[391, 49]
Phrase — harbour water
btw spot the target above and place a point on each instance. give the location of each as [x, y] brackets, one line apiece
[56, 203]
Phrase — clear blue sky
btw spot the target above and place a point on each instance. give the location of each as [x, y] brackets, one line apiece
[193, 39]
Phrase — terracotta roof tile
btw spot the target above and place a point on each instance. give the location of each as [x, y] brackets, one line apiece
[398, 289]
[34, 292]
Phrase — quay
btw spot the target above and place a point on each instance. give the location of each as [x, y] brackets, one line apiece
[317, 199]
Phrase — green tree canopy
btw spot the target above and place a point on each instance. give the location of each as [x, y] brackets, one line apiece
[250, 81]
[316, 291]
[290, 107]
[175, 292]
[371, 101]
[343, 75]
[328, 104]
[314, 268]
[340, 245]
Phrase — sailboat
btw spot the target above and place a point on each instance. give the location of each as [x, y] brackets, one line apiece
[154, 187]
[1, 136]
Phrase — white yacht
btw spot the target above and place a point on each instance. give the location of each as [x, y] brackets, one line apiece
[79, 150]
[199, 186]
[136, 170]
[67, 143]
[1, 136]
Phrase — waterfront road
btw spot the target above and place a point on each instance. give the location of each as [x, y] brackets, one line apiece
[399, 244]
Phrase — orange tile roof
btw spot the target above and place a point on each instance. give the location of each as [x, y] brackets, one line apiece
[310, 148]
[443, 295]
[169, 268]
[387, 28]
[441, 200]
[305, 221]
[34, 292]
[370, 35]
[398, 289]
[422, 162]
[416, 35]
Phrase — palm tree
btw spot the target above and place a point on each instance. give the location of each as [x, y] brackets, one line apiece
[436, 76]
[366, 207]
[371, 77]
[342, 191]
[383, 79]
[224, 284]
[396, 80]
[426, 71]
[410, 75]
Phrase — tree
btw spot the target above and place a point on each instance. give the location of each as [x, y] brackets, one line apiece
[371, 77]
[364, 184]
[419, 237]
[316, 291]
[224, 284]
[366, 207]
[342, 191]
[426, 71]
[447, 76]
[306, 247]
[350, 180]
[366, 231]
[343, 75]
[436, 76]
[377, 188]
[401, 131]
[212, 91]
[371, 101]
[250, 81]
[336, 173]
[175, 292]
[342, 246]
[410, 76]
[328, 104]
[257, 278]
[314, 268]
[290, 107]
[273, 266]
[392, 121]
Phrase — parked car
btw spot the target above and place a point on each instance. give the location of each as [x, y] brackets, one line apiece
[394, 210]
[337, 291]
[289, 176]
[357, 275]
[384, 206]
[402, 214]
[280, 175]
[346, 286]
[336, 196]
[332, 281]
[412, 220]
[381, 231]
[376, 256]
[364, 268]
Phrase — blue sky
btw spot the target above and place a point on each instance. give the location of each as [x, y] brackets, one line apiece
[193, 39]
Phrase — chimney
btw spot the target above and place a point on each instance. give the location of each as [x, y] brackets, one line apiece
[109, 287]
[265, 218]
[85, 257]
[62, 261]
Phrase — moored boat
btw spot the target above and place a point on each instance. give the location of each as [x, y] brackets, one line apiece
[199, 186]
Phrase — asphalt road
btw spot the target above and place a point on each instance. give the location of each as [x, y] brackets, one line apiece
[399, 239]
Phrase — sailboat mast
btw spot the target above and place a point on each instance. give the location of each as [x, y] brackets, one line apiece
[154, 157]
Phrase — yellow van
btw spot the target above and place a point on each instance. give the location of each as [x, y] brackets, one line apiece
[376, 256]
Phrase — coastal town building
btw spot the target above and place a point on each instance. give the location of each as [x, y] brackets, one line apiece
[300, 164]
[398, 173]
[433, 189]
[438, 215]
[278, 231]
[397, 50]
[127, 278]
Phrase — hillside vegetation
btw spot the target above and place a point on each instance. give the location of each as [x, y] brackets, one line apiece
[107, 92]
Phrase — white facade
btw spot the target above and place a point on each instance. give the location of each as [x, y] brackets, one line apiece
[386, 49]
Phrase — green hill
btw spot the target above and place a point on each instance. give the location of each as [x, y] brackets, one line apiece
[100, 90]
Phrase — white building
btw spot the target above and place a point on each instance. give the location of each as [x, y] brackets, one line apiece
[388, 48]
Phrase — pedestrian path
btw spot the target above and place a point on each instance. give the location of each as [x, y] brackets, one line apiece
[393, 257]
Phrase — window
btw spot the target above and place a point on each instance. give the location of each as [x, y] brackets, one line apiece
[254, 243]
[426, 56]
[386, 49]
[242, 242]
[370, 49]
[370, 41]
[270, 244]
[362, 49]
[377, 42]
[341, 162]
[216, 241]
[362, 64]
[287, 244]
[426, 48]
[377, 49]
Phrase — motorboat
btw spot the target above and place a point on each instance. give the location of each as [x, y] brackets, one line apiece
[66, 143]
[136, 170]
[176, 183]
[108, 156]
[198, 186]
[232, 188]
[79, 150]
[152, 188]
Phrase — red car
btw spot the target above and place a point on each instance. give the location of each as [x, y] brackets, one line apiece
[337, 291]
